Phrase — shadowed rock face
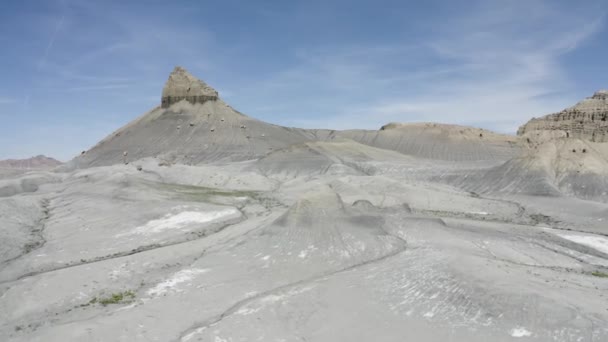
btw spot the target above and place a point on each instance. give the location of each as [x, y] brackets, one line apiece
[181, 85]
[586, 120]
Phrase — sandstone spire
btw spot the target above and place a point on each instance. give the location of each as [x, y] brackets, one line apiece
[587, 120]
[181, 85]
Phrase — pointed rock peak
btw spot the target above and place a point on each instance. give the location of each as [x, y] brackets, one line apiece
[593, 104]
[600, 95]
[181, 85]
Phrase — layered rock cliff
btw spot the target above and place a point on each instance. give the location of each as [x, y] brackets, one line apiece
[586, 120]
[181, 85]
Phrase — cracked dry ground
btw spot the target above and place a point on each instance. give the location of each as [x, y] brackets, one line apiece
[112, 254]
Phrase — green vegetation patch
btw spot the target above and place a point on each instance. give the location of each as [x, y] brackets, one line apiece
[114, 298]
[599, 274]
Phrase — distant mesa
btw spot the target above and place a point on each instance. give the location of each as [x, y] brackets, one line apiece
[34, 163]
[181, 85]
[587, 120]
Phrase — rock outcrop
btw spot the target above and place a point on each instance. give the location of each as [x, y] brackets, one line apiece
[587, 120]
[181, 85]
[193, 125]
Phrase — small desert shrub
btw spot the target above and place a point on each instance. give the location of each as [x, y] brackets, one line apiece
[114, 298]
[600, 274]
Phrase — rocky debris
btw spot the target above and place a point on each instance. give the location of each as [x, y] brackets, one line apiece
[37, 162]
[181, 85]
[586, 120]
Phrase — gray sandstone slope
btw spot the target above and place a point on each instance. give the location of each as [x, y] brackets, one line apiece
[439, 141]
[562, 154]
[336, 157]
[27, 183]
[567, 159]
[10, 172]
[571, 167]
[321, 229]
[191, 126]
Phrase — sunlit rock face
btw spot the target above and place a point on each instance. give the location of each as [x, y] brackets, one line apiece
[181, 85]
[586, 120]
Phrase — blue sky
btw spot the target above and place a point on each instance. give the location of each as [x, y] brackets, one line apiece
[72, 71]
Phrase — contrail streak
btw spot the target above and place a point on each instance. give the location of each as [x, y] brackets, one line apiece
[51, 42]
[47, 51]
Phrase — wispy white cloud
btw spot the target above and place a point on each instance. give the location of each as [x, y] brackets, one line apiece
[495, 67]
[115, 49]
[49, 46]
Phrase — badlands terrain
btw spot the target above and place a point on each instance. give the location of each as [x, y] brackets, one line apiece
[195, 222]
